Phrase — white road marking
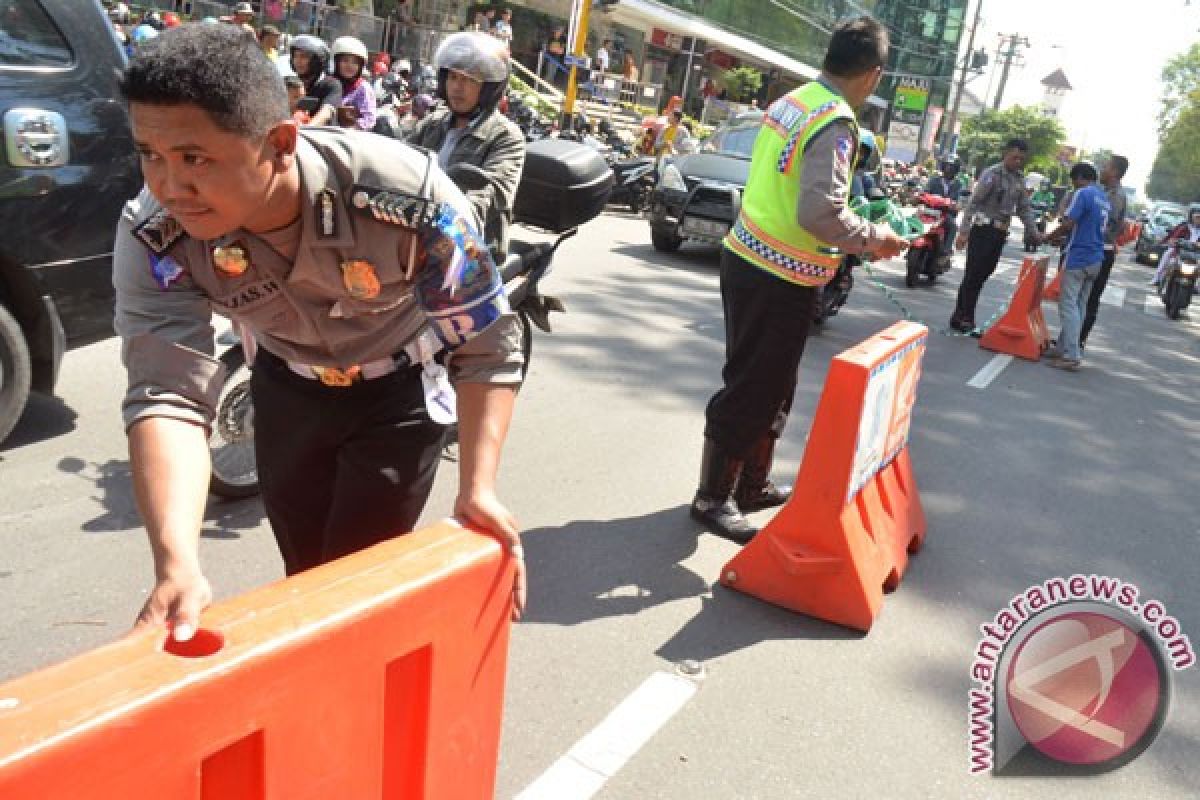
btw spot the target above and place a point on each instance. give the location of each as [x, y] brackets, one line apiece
[1113, 296]
[598, 756]
[985, 376]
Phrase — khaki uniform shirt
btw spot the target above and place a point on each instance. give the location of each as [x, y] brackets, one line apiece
[497, 146]
[998, 197]
[301, 310]
[1116, 219]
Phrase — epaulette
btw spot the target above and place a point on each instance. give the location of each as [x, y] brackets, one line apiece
[398, 208]
[159, 231]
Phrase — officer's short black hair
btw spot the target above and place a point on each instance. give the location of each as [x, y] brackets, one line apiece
[1119, 164]
[1017, 144]
[1085, 172]
[219, 68]
[857, 46]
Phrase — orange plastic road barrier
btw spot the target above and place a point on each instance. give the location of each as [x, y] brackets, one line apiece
[380, 675]
[855, 515]
[1022, 330]
[1053, 289]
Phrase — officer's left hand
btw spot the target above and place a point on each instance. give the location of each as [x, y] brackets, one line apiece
[484, 510]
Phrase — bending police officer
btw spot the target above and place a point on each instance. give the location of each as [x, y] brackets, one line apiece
[787, 242]
[352, 259]
[998, 196]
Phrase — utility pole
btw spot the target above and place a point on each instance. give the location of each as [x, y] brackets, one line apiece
[1010, 59]
[968, 60]
[584, 9]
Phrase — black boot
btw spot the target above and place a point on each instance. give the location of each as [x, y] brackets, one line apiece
[713, 504]
[755, 490]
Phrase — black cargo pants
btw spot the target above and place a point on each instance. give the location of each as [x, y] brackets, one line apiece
[1093, 303]
[767, 321]
[985, 243]
[344, 468]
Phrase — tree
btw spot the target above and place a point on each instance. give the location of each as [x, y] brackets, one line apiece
[984, 136]
[1176, 171]
[743, 83]
[1180, 78]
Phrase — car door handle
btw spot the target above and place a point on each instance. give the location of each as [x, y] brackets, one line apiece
[36, 138]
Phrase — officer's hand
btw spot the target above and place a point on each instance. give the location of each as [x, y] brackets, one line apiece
[484, 510]
[176, 602]
[887, 246]
[960, 241]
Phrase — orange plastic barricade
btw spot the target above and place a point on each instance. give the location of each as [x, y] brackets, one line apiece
[380, 675]
[1054, 288]
[855, 514]
[1022, 331]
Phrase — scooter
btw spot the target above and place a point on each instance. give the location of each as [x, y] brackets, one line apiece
[633, 180]
[926, 254]
[1180, 282]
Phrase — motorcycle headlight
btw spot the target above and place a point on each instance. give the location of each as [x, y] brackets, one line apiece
[1187, 269]
[672, 179]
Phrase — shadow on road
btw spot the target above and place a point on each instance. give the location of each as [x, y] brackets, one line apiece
[45, 417]
[223, 519]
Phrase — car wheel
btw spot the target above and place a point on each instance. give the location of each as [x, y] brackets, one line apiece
[664, 242]
[15, 372]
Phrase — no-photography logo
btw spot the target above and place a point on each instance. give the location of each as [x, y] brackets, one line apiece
[1067, 684]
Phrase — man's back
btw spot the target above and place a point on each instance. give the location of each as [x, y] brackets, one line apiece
[1089, 210]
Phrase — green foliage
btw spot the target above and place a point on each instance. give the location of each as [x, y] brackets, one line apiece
[1181, 78]
[1176, 171]
[743, 83]
[984, 136]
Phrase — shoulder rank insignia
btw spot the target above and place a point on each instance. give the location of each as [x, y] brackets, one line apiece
[397, 208]
[159, 231]
[325, 213]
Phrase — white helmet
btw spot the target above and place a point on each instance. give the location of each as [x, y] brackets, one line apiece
[349, 46]
[402, 65]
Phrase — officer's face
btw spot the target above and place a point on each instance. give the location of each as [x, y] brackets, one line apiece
[463, 92]
[213, 181]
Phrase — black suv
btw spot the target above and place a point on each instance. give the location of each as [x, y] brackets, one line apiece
[67, 168]
[699, 195]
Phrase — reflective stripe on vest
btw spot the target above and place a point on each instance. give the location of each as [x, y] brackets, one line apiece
[766, 232]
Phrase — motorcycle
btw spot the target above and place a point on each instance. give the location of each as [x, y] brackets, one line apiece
[1041, 213]
[231, 444]
[927, 253]
[834, 294]
[633, 180]
[1180, 282]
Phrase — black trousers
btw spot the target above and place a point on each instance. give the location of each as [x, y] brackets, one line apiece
[1093, 303]
[766, 325]
[340, 469]
[985, 243]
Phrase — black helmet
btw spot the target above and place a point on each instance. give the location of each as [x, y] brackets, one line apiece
[479, 55]
[316, 48]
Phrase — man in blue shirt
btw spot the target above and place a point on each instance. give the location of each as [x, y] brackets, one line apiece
[1085, 221]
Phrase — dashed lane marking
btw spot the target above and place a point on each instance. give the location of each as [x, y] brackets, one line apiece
[990, 370]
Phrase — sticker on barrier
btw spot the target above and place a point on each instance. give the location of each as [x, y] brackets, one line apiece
[855, 515]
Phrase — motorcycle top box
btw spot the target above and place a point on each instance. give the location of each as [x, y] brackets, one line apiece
[564, 185]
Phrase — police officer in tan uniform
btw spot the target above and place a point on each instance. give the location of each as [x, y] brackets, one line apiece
[998, 197]
[357, 269]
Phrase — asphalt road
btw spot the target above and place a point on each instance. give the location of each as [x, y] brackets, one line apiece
[1040, 474]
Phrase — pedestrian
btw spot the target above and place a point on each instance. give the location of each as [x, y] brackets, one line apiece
[554, 52]
[335, 251]
[243, 17]
[774, 261]
[602, 56]
[1110, 179]
[357, 109]
[1086, 220]
[480, 23]
[503, 29]
[268, 40]
[630, 70]
[999, 195]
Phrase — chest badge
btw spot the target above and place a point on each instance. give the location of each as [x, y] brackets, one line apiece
[360, 279]
[231, 260]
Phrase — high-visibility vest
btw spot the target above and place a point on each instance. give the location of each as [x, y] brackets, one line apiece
[766, 232]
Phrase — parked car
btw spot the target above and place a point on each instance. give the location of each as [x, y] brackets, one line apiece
[698, 195]
[67, 169]
[1159, 221]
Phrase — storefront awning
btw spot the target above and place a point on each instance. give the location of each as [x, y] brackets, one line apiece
[643, 14]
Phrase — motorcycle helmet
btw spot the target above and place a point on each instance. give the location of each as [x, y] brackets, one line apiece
[350, 46]
[143, 33]
[479, 56]
[316, 48]
[171, 20]
[401, 66]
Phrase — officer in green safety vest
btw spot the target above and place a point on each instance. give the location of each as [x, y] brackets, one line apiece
[793, 230]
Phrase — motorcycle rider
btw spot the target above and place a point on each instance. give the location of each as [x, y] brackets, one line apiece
[472, 76]
[1187, 231]
[309, 58]
[863, 182]
[949, 185]
[357, 109]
